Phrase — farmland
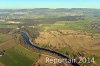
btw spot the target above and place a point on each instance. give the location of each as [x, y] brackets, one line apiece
[72, 32]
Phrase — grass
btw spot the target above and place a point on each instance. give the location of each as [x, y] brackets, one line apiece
[62, 25]
[71, 53]
[3, 22]
[67, 50]
[64, 50]
[28, 53]
[97, 60]
[19, 56]
[8, 26]
[4, 37]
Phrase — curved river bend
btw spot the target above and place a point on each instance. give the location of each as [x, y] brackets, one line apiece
[26, 38]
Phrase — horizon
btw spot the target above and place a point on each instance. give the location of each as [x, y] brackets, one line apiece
[46, 8]
[53, 4]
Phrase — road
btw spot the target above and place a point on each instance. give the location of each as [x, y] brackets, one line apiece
[27, 40]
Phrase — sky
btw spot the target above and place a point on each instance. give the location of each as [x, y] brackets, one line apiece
[27, 4]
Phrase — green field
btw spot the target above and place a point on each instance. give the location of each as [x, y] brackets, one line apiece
[63, 25]
[16, 55]
[4, 37]
[46, 20]
[8, 26]
[19, 56]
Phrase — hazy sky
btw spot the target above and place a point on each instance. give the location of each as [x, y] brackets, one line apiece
[13, 4]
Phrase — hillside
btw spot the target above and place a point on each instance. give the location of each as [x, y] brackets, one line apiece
[74, 39]
[71, 43]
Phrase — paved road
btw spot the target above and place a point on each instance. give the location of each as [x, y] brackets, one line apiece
[26, 38]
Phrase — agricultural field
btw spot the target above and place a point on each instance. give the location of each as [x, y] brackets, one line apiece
[18, 55]
[83, 25]
[4, 37]
[71, 32]
[7, 25]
